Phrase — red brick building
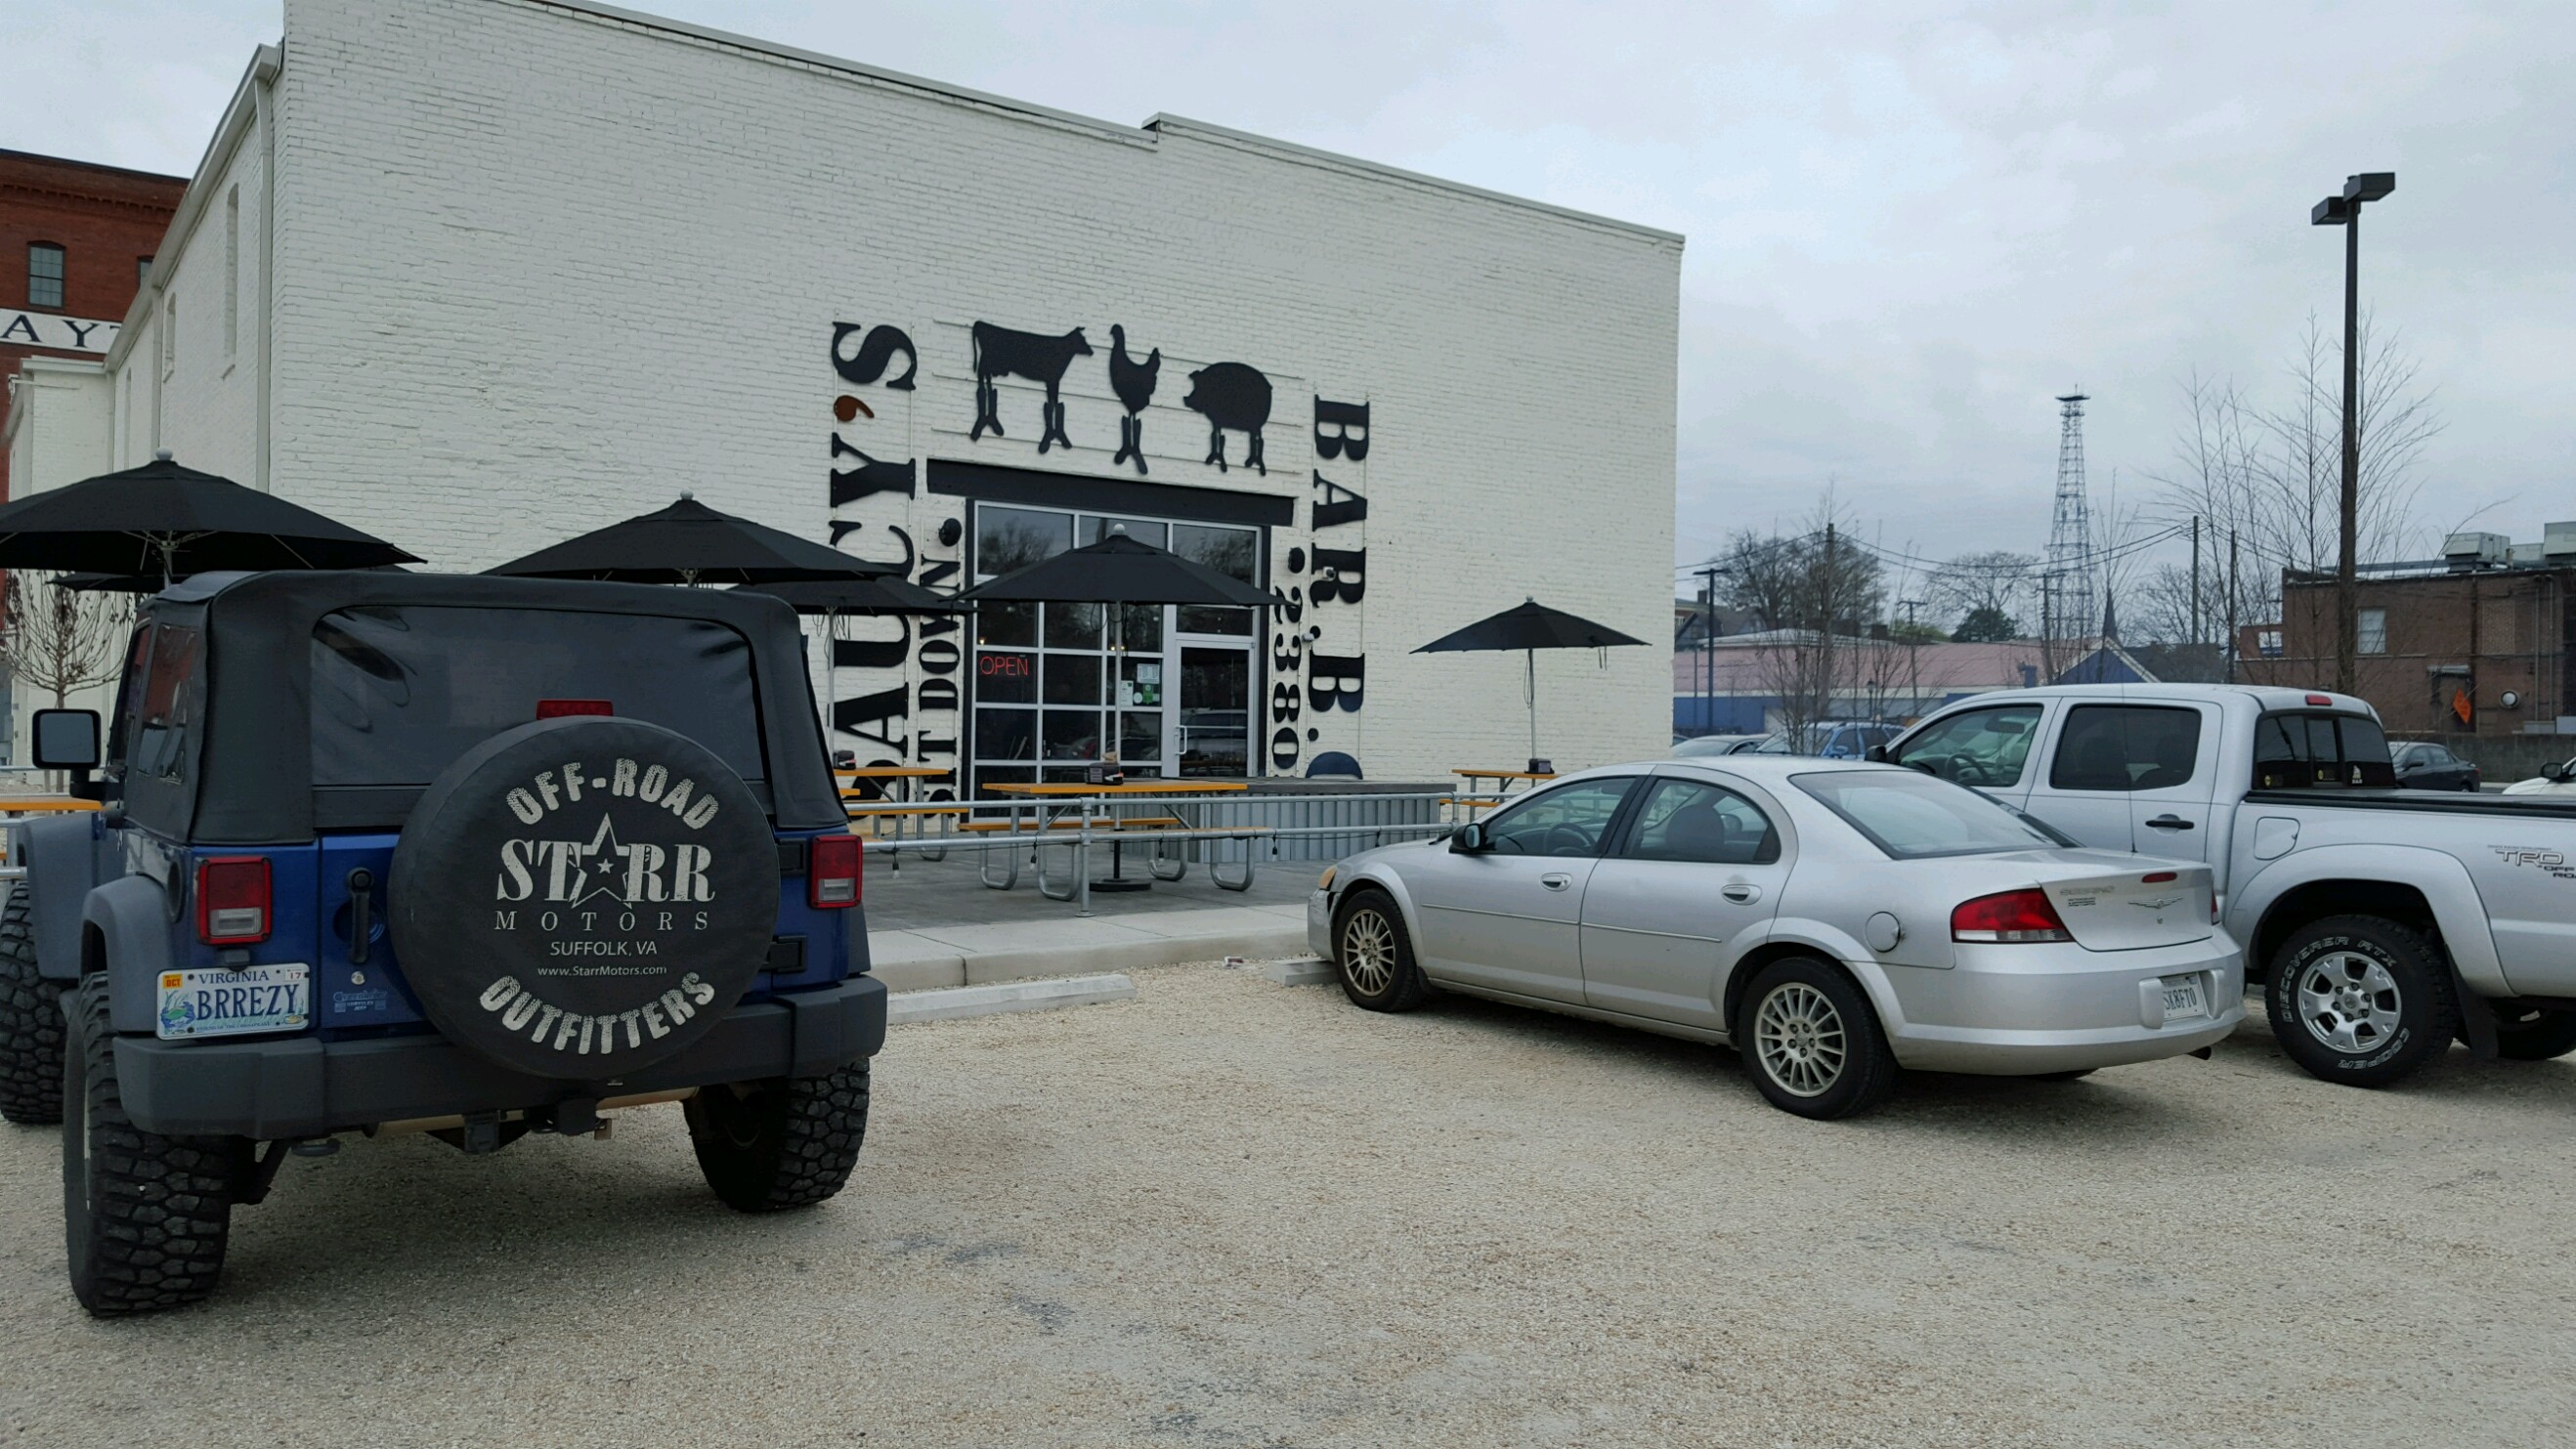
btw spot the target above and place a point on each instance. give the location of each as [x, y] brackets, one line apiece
[2481, 649]
[75, 239]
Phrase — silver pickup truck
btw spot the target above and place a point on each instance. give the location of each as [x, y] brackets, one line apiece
[2382, 922]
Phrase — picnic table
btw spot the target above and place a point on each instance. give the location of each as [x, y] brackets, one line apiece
[891, 792]
[1052, 803]
[1502, 779]
[44, 804]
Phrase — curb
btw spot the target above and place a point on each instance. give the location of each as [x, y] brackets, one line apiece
[962, 1001]
[1311, 971]
[907, 970]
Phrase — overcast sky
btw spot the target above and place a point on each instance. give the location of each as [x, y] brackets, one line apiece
[1910, 223]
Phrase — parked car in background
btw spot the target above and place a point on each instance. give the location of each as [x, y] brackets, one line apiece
[2424, 765]
[2383, 921]
[1833, 739]
[1833, 922]
[1705, 746]
[2553, 779]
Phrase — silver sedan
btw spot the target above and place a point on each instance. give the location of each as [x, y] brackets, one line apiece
[1834, 922]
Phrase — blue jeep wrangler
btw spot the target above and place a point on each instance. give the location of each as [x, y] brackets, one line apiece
[478, 857]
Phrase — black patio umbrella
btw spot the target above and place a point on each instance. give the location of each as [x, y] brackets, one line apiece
[1529, 627]
[165, 520]
[98, 583]
[1119, 569]
[888, 594]
[689, 543]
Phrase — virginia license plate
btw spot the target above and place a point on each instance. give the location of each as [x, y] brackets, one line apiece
[218, 1002]
[2184, 998]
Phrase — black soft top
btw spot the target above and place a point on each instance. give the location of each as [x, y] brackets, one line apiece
[250, 779]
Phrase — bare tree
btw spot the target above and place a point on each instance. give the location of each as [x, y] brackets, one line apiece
[1994, 583]
[1815, 593]
[2269, 481]
[60, 641]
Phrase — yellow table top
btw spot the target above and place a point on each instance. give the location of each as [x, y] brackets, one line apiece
[45, 805]
[1132, 787]
[893, 772]
[1505, 774]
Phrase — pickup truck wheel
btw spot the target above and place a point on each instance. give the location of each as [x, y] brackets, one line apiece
[2360, 1000]
[145, 1217]
[31, 1025]
[2535, 1033]
[785, 1143]
[1374, 957]
[1812, 1042]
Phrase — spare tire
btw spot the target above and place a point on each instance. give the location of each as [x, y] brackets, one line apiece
[580, 897]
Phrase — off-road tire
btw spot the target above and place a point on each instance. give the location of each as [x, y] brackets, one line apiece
[31, 1025]
[2399, 981]
[2534, 1033]
[1373, 953]
[784, 1143]
[145, 1217]
[1839, 1023]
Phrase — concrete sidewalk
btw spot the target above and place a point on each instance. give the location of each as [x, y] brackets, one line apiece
[975, 955]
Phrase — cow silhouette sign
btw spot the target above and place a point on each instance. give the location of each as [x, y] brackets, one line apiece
[1231, 395]
[1001, 352]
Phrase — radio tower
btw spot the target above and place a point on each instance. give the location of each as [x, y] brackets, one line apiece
[2067, 600]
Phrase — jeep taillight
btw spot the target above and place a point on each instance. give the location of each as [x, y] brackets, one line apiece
[2024, 915]
[832, 872]
[232, 900]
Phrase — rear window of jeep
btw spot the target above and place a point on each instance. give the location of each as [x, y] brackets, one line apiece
[400, 691]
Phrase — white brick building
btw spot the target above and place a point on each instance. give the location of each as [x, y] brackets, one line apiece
[481, 274]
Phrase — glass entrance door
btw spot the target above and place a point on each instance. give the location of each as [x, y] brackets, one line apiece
[1060, 689]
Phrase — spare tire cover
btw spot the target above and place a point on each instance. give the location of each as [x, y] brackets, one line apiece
[579, 897]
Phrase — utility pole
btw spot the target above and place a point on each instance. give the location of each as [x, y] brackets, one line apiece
[1833, 598]
[1708, 648]
[1913, 657]
[2232, 625]
[2345, 211]
[2196, 632]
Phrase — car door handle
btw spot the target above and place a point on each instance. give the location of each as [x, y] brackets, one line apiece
[1741, 894]
[2168, 822]
[1557, 881]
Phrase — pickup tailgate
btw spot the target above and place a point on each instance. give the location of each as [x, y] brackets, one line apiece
[2118, 902]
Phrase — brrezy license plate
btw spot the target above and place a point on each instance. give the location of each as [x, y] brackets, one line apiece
[2184, 998]
[218, 1002]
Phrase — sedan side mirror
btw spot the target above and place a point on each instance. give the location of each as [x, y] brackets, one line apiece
[1469, 839]
[2554, 770]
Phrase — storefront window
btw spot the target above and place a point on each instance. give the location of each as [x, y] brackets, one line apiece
[1061, 687]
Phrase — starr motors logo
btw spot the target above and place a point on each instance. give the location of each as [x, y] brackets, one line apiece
[576, 872]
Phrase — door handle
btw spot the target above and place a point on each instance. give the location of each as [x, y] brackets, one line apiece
[1556, 882]
[1741, 894]
[362, 924]
[2168, 822]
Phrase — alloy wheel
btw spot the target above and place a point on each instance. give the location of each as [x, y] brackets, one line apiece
[1799, 1037]
[1368, 950]
[2348, 1001]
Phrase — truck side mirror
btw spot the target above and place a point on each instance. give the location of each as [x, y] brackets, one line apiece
[66, 739]
[1469, 839]
[1878, 754]
[2554, 770]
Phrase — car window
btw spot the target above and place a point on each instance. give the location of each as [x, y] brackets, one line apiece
[1569, 820]
[2125, 747]
[1976, 747]
[168, 704]
[1910, 816]
[1687, 820]
[2298, 751]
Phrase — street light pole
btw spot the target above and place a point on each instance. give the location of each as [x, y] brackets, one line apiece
[2345, 211]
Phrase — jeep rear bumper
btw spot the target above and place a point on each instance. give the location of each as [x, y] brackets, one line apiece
[306, 1087]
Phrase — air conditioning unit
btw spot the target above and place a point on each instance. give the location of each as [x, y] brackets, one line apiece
[2558, 541]
[2476, 550]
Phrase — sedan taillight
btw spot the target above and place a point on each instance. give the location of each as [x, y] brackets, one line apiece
[2024, 915]
[832, 872]
[232, 900]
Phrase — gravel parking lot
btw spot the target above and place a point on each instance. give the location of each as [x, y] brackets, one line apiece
[1232, 1213]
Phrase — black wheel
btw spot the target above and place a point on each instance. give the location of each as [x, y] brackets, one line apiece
[2360, 1000]
[145, 1217]
[785, 1143]
[1811, 1041]
[2534, 1033]
[31, 1025]
[1374, 957]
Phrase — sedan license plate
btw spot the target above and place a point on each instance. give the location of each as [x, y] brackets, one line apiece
[218, 1002]
[2184, 998]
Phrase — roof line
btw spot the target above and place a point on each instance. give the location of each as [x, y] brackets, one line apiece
[8, 155]
[1108, 130]
[1291, 150]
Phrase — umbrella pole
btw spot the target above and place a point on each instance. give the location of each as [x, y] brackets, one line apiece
[831, 675]
[1529, 658]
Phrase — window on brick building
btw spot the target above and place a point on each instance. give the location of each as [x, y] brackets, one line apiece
[2370, 631]
[44, 274]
